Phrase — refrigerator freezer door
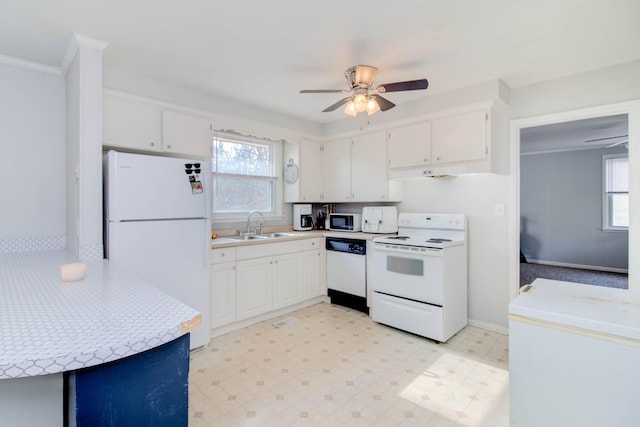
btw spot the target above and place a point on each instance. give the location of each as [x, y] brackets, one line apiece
[171, 255]
[141, 187]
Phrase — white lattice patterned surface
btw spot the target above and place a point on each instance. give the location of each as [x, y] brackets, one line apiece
[32, 243]
[49, 326]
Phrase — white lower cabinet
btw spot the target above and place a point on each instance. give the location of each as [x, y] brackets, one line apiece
[313, 272]
[287, 283]
[248, 281]
[254, 287]
[222, 287]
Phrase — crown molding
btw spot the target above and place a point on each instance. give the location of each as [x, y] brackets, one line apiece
[29, 65]
[77, 41]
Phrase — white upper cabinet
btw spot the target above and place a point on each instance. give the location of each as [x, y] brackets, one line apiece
[459, 138]
[186, 133]
[131, 123]
[410, 145]
[310, 172]
[305, 158]
[138, 124]
[369, 181]
[459, 142]
[337, 171]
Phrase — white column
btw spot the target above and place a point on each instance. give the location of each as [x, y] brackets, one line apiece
[82, 67]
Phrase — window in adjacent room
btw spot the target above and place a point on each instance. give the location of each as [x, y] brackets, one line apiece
[245, 176]
[616, 192]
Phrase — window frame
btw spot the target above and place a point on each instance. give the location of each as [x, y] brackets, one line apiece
[606, 199]
[275, 178]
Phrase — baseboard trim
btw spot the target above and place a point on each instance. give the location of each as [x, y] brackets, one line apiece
[489, 326]
[222, 330]
[583, 267]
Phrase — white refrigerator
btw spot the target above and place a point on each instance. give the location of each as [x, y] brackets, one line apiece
[157, 226]
[574, 352]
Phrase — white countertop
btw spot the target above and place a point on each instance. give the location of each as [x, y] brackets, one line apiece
[593, 308]
[49, 326]
[222, 241]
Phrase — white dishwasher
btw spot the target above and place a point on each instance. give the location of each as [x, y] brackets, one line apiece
[346, 272]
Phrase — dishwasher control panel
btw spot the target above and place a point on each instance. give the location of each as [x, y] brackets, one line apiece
[352, 246]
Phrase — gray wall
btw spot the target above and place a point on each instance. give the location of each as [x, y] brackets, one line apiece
[561, 210]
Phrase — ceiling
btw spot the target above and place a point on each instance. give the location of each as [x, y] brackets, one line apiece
[608, 131]
[264, 52]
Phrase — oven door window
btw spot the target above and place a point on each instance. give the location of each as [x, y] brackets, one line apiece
[410, 266]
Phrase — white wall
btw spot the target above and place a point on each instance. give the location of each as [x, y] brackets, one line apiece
[487, 235]
[32, 151]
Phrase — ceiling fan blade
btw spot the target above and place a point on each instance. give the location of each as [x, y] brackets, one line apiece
[324, 91]
[337, 104]
[624, 141]
[604, 139]
[383, 103]
[402, 86]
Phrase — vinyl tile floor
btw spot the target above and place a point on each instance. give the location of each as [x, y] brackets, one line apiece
[334, 366]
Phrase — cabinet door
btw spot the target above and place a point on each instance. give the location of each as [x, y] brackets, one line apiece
[459, 138]
[223, 294]
[310, 172]
[410, 145]
[131, 123]
[337, 171]
[287, 288]
[254, 287]
[310, 273]
[186, 134]
[369, 168]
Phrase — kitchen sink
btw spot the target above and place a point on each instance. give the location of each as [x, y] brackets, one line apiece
[280, 235]
[249, 237]
[260, 236]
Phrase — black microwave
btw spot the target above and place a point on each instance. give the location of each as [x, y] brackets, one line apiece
[345, 222]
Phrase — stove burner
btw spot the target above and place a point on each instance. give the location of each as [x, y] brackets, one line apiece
[399, 237]
[438, 240]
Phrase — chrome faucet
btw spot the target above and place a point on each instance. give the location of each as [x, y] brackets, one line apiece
[261, 221]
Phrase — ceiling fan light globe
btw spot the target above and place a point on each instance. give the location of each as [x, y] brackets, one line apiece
[350, 109]
[372, 107]
[360, 103]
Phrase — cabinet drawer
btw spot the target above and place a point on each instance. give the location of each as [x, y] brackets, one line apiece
[311, 244]
[221, 255]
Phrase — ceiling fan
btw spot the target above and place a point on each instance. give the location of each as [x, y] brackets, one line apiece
[360, 78]
[623, 139]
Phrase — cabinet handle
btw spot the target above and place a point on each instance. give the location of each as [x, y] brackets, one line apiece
[169, 147]
[222, 255]
[153, 144]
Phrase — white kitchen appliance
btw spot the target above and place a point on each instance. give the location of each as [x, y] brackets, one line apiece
[345, 222]
[302, 217]
[346, 272]
[380, 219]
[157, 226]
[573, 356]
[419, 277]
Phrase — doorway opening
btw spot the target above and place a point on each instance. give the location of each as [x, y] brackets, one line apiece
[574, 211]
[632, 110]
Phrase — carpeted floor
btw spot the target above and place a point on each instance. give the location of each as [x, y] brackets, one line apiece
[529, 272]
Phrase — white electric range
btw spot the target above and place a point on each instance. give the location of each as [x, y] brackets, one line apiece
[420, 276]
